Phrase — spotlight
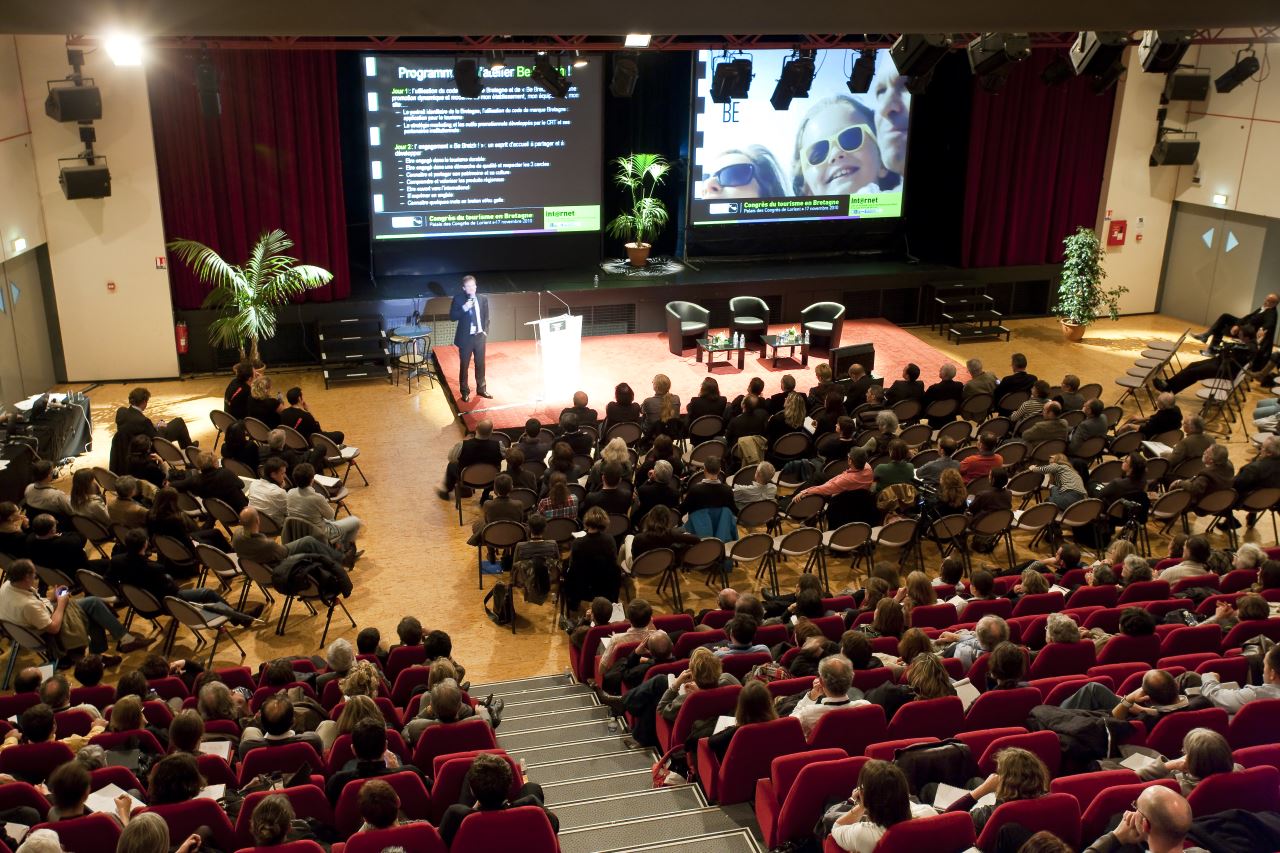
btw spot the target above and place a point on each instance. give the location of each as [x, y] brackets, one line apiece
[731, 79]
[915, 55]
[1095, 52]
[124, 49]
[1188, 85]
[550, 77]
[626, 71]
[497, 60]
[864, 68]
[466, 76]
[795, 80]
[1162, 50]
[1108, 77]
[637, 39]
[1058, 71]
[1244, 68]
[993, 55]
[579, 61]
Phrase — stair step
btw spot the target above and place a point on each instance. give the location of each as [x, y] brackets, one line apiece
[629, 806]
[542, 694]
[580, 769]
[575, 790]
[518, 684]
[551, 735]
[577, 749]
[552, 705]
[741, 841]
[635, 834]
[558, 718]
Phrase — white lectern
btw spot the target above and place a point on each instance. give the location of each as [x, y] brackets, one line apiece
[560, 340]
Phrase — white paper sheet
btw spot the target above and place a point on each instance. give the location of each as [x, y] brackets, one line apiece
[723, 723]
[967, 692]
[1138, 762]
[104, 800]
[220, 748]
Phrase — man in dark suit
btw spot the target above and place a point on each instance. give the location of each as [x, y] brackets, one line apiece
[586, 415]
[482, 447]
[754, 420]
[577, 439]
[131, 421]
[235, 400]
[777, 401]
[859, 381]
[613, 496]
[1018, 380]
[214, 481]
[1263, 471]
[471, 313]
[946, 388]
[1262, 317]
[369, 743]
[298, 416]
[710, 492]
[487, 784]
[909, 387]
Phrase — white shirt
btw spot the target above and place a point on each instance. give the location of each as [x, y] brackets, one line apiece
[863, 836]
[1230, 700]
[809, 711]
[267, 498]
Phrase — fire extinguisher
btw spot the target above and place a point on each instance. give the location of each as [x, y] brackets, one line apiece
[181, 332]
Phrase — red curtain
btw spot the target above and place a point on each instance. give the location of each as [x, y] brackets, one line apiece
[271, 160]
[1036, 160]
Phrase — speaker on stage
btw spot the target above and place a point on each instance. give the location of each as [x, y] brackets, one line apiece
[842, 357]
[85, 181]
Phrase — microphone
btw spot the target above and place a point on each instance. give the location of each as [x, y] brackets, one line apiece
[567, 309]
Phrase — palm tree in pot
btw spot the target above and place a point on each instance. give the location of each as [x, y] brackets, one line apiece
[640, 175]
[249, 295]
[1081, 296]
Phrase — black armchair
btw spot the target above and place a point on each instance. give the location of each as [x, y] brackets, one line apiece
[685, 321]
[750, 317]
[823, 320]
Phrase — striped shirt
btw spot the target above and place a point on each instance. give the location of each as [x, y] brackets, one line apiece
[1063, 476]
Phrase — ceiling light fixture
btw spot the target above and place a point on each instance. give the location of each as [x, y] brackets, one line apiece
[637, 39]
[124, 49]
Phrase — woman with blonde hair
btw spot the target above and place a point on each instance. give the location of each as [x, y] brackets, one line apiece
[1020, 775]
[148, 833]
[614, 452]
[663, 407]
[951, 494]
[917, 592]
[1031, 582]
[264, 405]
[126, 715]
[790, 419]
[1117, 551]
[704, 673]
[1065, 484]
[363, 679]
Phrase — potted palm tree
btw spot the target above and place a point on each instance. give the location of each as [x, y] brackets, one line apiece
[1081, 296]
[640, 175]
[249, 295]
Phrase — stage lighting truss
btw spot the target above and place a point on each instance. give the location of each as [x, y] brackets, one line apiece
[731, 78]
[549, 76]
[466, 76]
[1246, 66]
[992, 57]
[795, 80]
[864, 69]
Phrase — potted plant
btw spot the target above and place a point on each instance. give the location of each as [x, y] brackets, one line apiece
[249, 295]
[640, 175]
[1081, 296]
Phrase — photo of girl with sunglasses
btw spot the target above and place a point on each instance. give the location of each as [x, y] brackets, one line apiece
[750, 172]
[836, 152]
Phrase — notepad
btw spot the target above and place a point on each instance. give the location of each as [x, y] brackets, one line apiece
[327, 482]
[618, 614]
[211, 792]
[220, 748]
[1139, 762]
[16, 831]
[1158, 448]
[967, 692]
[1061, 589]
[946, 796]
[103, 800]
[957, 601]
[723, 723]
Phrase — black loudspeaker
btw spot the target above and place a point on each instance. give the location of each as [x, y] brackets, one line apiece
[85, 181]
[842, 357]
[74, 103]
[207, 88]
[1175, 152]
[1186, 86]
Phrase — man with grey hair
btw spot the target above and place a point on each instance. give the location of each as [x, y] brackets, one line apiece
[124, 507]
[657, 490]
[1165, 418]
[946, 388]
[980, 381]
[1061, 628]
[1134, 569]
[338, 659]
[1263, 472]
[1052, 425]
[1193, 444]
[761, 487]
[1248, 556]
[968, 645]
[1217, 473]
[886, 431]
[833, 688]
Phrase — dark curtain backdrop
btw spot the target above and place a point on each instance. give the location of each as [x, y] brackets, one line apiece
[271, 160]
[1036, 159]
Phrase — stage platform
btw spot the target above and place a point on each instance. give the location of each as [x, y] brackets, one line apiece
[514, 371]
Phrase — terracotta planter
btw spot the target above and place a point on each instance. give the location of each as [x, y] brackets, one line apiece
[638, 254]
[1072, 332]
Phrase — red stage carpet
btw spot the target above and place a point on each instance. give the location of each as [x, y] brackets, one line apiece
[514, 372]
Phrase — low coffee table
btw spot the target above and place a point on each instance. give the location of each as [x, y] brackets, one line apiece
[777, 342]
[714, 349]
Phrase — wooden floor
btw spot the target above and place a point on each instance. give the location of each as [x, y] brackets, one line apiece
[417, 561]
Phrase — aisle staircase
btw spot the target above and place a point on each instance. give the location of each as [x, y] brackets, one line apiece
[600, 789]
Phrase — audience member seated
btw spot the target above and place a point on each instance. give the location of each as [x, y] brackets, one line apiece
[888, 620]
[1158, 822]
[753, 421]
[268, 494]
[1194, 562]
[1020, 775]
[755, 705]
[13, 530]
[216, 701]
[559, 501]
[833, 688]
[298, 415]
[131, 420]
[1264, 471]
[818, 393]
[124, 508]
[663, 449]
[708, 402]
[72, 624]
[69, 786]
[578, 439]
[931, 472]
[881, 801]
[980, 381]
[856, 476]
[755, 388]
[1052, 427]
[87, 499]
[593, 563]
[264, 405]
[662, 409]
[214, 481]
[742, 638]
[909, 387]
[761, 488]
[994, 498]
[252, 544]
[235, 400]
[275, 716]
[237, 445]
[48, 547]
[897, 470]
[1095, 424]
[623, 409]
[826, 420]
[709, 493]
[856, 386]
[482, 448]
[37, 725]
[500, 507]
[520, 477]
[41, 495]
[1065, 485]
[534, 444]
[1205, 753]
[1007, 667]
[640, 615]
[658, 530]
[489, 781]
[979, 465]
[129, 566]
[1166, 418]
[166, 518]
[787, 387]
[614, 494]
[967, 646]
[886, 423]
[372, 758]
[584, 414]
[444, 706]
[790, 418]
[1070, 397]
[1157, 697]
[1018, 380]
[1232, 700]
[704, 673]
[306, 503]
[1035, 403]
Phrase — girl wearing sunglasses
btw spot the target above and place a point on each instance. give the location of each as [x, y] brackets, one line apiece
[836, 151]
[750, 172]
